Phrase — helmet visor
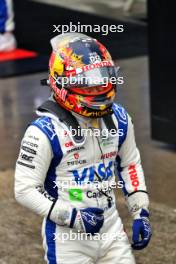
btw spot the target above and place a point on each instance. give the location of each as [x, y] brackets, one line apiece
[92, 82]
[94, 90]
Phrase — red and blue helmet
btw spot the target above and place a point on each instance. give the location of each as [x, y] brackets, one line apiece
[80, 74]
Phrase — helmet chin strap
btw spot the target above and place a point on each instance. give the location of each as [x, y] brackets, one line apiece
[87, 121]
[95, 123]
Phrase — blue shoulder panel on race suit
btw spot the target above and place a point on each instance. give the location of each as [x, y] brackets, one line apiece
[45, 124]
[3, 15]
[122, 118]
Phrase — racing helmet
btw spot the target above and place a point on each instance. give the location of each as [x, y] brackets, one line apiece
[80, 70]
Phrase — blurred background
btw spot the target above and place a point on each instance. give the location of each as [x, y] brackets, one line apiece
[145, 52]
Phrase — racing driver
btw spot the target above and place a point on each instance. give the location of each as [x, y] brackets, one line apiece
[60, 175]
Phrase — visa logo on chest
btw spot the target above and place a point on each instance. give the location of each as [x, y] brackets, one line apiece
[90, 173]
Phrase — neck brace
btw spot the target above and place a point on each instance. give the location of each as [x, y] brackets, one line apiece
[74, 120]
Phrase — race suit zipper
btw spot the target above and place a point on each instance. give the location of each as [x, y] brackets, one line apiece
[109, 198]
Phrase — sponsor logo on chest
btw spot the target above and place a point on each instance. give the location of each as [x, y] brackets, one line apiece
[90, 173]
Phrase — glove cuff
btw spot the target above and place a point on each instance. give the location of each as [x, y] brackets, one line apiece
[72, 221]
[60, 213]
[136, 202]
[144, 213]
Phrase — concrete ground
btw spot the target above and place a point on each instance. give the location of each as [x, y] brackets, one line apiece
[20, 241]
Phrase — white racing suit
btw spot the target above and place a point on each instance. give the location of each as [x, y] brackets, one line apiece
[6, 16]
[49, 159]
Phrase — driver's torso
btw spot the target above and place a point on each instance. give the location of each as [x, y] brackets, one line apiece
[84, 170]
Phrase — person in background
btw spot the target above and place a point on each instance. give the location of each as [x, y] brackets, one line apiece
[7, 25]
